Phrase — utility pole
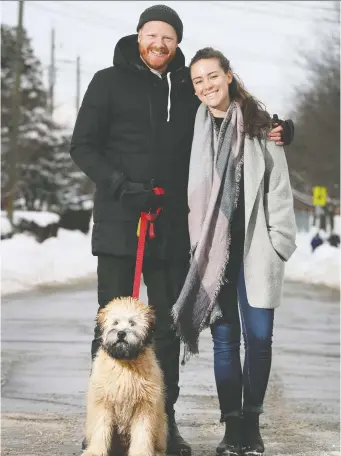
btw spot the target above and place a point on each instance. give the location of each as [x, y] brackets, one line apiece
[52, 74]
[15, 120]
[78, 83]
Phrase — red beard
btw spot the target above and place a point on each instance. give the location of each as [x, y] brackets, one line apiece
[156, 62]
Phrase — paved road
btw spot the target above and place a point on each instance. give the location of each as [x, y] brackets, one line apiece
[45, 364]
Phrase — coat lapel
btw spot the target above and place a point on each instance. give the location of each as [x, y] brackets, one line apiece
[254, 167]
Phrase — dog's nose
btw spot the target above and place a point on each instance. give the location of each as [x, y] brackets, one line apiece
[121, 334]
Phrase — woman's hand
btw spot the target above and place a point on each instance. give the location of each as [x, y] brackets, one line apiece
[282, 132]
[276, 135]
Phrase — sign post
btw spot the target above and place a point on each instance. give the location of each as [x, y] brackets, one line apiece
[320, 201]
[319, 196]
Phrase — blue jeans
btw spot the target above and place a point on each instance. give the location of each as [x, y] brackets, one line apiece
[257, 325]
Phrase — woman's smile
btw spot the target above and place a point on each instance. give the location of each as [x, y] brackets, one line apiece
[212, 94]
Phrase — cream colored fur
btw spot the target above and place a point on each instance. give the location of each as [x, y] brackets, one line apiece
[125, 401]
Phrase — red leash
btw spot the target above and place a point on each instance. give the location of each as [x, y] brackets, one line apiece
[146, 221]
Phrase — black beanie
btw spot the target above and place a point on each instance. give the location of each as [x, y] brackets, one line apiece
[162, 13]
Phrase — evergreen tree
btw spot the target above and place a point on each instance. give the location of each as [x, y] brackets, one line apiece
[46, 176]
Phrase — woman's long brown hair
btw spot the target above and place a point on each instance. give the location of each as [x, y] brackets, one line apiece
[257, 120]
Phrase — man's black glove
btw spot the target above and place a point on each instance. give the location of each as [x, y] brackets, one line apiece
[288, 132]
[140, 198]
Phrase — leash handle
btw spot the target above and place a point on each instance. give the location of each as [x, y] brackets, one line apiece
[146, 220]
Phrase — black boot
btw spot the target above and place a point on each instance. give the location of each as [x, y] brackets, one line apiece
[176, 445]
[252, 442]
[230, 445]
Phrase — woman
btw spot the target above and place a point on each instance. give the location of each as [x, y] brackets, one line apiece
[242, 230]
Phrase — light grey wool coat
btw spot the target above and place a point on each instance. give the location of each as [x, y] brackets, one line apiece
[270, 227]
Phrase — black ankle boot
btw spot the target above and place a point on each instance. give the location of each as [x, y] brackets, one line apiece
[252, 442]
[176, 445]
[230, 445]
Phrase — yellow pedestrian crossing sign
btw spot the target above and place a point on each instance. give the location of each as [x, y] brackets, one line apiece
[319, 196]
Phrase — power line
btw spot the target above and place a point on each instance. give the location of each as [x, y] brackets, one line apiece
[82, 70]
[93, 21]
[62, 13]
[270, 12]
[71, 61]
[305, 6]
[103, 17]
[219, 4]
[98, 18]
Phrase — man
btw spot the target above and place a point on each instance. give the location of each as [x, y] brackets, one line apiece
[134, 132]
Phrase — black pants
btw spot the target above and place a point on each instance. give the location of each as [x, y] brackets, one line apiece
[164, 280]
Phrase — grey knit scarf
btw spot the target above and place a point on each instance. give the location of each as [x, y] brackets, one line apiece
[213, 190]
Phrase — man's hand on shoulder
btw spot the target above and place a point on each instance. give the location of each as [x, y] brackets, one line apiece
[282, 132]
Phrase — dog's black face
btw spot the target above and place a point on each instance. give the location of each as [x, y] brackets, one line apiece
[123, 350]
[126, 332]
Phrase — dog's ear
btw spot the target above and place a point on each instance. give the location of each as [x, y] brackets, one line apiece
[101, 317]
[150, 314]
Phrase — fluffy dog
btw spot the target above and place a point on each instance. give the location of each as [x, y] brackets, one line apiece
[125, 401]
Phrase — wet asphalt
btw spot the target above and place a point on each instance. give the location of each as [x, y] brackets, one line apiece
[46, 336]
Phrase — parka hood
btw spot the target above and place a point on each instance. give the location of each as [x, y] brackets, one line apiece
[127, 55]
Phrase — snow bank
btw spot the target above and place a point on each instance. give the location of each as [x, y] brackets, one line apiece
[40, 218]
[25, 264]
[321, 267]
[5, 226]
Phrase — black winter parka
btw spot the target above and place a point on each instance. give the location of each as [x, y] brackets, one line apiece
[128, 129]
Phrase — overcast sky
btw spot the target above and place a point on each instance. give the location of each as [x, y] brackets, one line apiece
[264, 40]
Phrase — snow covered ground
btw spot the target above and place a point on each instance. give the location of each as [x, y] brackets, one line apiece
[40, 218]
[322, 267]
[26, 264]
